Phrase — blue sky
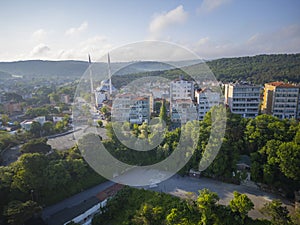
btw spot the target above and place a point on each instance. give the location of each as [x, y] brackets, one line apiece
[58, 30]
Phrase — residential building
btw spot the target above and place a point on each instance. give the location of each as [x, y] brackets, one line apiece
[132, 108]
[181, 89]
[205, 99]
[281, 100]
[121, 107]
[243, 98]
[12, 107]
[182, 106]
[140, 110]
[26, 124]
[183, 110]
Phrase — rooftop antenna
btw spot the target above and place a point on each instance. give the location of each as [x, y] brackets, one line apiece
[109, 74]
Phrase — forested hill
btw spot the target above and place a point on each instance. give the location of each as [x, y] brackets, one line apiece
[258, 69]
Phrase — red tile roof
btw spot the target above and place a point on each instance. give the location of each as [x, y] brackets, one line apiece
[282, 84]
[108, 192]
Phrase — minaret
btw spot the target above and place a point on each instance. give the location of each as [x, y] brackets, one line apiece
[91, 79]
[109, 74]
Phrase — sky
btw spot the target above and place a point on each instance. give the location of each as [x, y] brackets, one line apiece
[65, 29]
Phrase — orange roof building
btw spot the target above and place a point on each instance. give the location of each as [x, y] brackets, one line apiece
[281, 100]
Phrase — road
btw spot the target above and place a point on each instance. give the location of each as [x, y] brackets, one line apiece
[180, 186]
[69, 140]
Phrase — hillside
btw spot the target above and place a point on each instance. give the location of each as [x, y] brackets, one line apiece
[258, 69]
[4, 75]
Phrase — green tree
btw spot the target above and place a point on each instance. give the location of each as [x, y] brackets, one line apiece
[278, 213]
[19, 212]
[36, 146]
[289, 159]
[48, 128]
[36, 129]
[5, 119]
[241, 205]
[163, 112]
[100, 123]
[29, 172]
[206, 203]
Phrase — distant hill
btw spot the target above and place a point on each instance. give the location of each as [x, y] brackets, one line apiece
[76, 69]
[33, 68]
[5, 75]
[258, 69]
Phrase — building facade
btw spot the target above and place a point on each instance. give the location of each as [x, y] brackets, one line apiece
[181, 89]
[205, 99]
[243, 99]
[281, 100]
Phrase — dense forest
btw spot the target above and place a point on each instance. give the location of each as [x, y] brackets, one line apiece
[39, 178]
[153, 208]
[258, 69]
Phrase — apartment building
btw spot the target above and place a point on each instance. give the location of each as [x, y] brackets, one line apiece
[205, 99]
[281, 100]
[181, 89]
[182, 106]
[140, 110]
[131, 108]
[243, 98]
[183, 110]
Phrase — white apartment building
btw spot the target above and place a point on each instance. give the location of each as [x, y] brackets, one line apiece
[182, 106]
[131, 108]
[140, 110]
[243, 99]
[181, 89]
[183, 110]
[281, 100]
[206, 98]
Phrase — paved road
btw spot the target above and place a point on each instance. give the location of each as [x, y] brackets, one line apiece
[68, 141]
[179, 186]
[11, 155]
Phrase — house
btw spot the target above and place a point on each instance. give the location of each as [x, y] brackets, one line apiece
[26, 124]
[12, 107]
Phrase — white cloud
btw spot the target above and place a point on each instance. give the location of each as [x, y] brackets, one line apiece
[40, 50]
[284, 40]
[203, 41]
[96, 46]
[76, 30]
[210, 5]
[39, 34]
[167, 19]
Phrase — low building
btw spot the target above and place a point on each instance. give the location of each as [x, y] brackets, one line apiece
[84, 212]
[26, 124]
[12, 107]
